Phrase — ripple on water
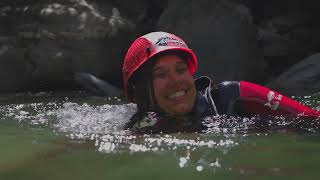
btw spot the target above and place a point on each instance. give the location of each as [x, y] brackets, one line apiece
[101, 124]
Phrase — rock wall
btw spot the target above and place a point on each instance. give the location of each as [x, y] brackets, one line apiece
[43, 43]
[222, 35]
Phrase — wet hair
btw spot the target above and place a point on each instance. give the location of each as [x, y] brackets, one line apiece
[141, 82]
[141, 87]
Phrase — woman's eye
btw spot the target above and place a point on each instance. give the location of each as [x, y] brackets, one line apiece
[182, 69]
[159, 75]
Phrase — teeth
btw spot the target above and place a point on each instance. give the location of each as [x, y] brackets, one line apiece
[177, 94]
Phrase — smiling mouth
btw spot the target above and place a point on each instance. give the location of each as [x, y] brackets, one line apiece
[177, 94]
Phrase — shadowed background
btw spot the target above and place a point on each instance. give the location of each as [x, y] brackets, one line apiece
[43, 43]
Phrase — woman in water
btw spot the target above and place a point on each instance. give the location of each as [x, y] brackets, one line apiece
[158, 76]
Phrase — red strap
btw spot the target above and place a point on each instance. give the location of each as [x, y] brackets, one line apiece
[261, 100]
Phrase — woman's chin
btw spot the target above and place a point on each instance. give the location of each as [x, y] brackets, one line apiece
[180, 110]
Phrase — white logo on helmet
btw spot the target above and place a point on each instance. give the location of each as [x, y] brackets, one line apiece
[169, 41]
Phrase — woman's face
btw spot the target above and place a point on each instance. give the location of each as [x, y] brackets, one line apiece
[174, 87]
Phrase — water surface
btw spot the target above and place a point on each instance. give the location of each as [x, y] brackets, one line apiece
[78, 136]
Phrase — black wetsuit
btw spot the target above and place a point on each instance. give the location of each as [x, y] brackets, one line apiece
[211, 101]
[230, 98]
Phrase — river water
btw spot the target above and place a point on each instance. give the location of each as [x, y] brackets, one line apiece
[74, 135]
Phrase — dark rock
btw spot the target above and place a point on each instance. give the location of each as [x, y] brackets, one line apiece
[222, 35]
[62, 37]
[14, 71]
[301, 79]
[43, 43]
[287, 32]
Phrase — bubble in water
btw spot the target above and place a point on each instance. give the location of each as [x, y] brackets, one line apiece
[216, 163]
[199, 168]
[183, 162]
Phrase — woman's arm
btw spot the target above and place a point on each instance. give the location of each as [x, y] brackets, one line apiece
[261, 100]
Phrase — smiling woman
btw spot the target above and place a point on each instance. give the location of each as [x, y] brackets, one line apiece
[174, 88]
[158, 76]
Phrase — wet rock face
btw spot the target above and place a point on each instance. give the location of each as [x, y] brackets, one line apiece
[222, 35]
[301, 79]
[60, 38]
[42, 43]
[287, 32]
[13, 69]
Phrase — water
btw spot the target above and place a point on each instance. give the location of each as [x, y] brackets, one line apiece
[77, 136]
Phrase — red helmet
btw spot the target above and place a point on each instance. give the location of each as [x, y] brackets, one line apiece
[147, 46]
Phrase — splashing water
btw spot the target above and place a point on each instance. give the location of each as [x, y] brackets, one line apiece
[70, 116]
[100, 121]
[89, 119]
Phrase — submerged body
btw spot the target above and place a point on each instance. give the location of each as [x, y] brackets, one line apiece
[158, 74]
[231, 98]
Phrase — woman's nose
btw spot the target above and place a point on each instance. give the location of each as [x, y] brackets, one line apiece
[174, 77]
